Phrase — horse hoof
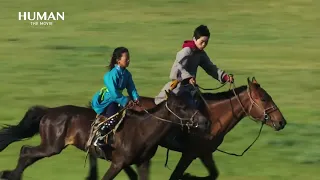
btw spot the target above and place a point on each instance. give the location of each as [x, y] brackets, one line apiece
[4, 175]
[89, 178]
[188, 176]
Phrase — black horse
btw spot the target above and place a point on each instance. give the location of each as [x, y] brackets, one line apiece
[135, 141]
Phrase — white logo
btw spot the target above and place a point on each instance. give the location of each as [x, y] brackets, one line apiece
[41, 18]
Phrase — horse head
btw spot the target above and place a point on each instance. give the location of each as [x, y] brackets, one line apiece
[182, 113]
[263, 108]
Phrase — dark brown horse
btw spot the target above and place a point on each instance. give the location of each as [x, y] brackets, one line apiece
[226, 110]
[136, 139]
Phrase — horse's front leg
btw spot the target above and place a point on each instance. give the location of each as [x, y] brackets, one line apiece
[113, 170]
[93, 171]
[183, 164]
[144, 170]
[208, 161]
[119, 162]
[131, 173]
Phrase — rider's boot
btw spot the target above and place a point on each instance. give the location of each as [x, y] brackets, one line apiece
[103, 131]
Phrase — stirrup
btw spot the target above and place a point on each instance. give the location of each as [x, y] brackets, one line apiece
[98, 143]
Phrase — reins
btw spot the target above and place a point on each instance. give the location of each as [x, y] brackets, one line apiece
[159, 118]
[188, 125]
[247, 114]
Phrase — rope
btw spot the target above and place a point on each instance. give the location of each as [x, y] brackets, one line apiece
[233, 154]
[232, 83]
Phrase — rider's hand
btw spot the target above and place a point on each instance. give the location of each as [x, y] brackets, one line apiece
[228, 78]
[137, 101]
[130, 104]
[231, 79]
[192, 81]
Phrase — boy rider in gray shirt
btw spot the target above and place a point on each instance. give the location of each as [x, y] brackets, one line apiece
[184, 70]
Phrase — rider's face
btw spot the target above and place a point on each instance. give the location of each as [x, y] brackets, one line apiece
[124, 61]
[202, 42]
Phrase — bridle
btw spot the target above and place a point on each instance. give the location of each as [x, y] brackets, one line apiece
[264, 113]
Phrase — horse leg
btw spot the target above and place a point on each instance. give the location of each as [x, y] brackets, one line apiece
[93, 172]
[52, 143]
[183, 164]
[29, 155]
[144, 170]
[116, 166]
[4, 174]
[131, 173]
[208, 161]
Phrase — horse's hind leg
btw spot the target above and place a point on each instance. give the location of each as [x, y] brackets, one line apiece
[52, 143]
[29, 155]
[93, 172]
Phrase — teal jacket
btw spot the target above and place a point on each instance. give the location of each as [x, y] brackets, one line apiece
[115, 81]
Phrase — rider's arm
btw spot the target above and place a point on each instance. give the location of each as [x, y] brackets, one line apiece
[131, 88]
[182, 57]
[111, 81]
[211, 69]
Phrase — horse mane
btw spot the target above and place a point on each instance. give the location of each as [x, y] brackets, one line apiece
[224, 95]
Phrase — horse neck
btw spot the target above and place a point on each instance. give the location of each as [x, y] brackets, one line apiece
[154, 126]
[229, 112]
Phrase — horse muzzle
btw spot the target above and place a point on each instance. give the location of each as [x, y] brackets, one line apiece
[278, 125]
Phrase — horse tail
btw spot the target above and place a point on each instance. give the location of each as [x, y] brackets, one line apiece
[27, 127]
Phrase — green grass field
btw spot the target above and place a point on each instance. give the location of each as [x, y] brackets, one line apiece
[276, 41]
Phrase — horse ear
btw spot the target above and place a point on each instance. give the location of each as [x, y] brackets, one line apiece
[249, 82]
[254, 80]
[168, 93]
[253, 85]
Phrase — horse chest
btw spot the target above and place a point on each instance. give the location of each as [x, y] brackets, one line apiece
[215, 143]
[208, 145]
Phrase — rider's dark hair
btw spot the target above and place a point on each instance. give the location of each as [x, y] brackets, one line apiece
[201, 30]
[116, 55]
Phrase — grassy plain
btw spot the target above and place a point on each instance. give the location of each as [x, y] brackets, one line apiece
[276, 41]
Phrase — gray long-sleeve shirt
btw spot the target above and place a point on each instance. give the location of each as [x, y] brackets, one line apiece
[185, 66]
[187, 62]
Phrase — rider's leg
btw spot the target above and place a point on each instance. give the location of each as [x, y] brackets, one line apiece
[176, 137]
[110, 110]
